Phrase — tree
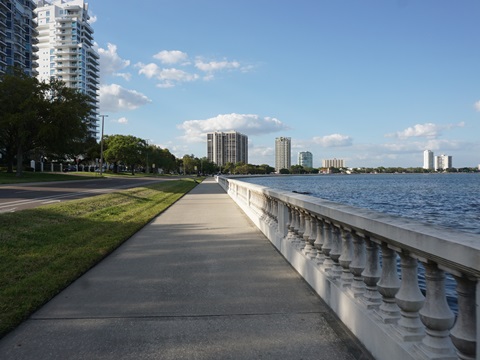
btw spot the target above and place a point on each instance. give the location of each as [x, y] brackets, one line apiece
[125, 149]
[227, 168]
[65, 129]
[162, 159]
[20, 108]
[207, 167]
[35, 115]
[297, 169]
[189, 164]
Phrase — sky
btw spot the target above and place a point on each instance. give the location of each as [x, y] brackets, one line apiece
[373, 82]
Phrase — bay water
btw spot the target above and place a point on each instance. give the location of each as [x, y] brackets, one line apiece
[451, 200]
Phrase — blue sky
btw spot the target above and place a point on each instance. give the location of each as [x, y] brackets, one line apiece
[374, 82]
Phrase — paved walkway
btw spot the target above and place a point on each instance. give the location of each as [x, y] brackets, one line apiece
[199, 282]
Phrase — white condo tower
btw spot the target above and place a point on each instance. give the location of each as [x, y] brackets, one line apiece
[66, 49]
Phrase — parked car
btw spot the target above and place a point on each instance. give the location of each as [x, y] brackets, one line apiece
[69, 168]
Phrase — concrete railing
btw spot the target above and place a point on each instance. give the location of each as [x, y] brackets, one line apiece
[365, 266]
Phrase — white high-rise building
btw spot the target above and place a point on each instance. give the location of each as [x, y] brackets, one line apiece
[428, 160]
[305, 159]
[283, 153]
[66, 49]
[443, 162]
[335, 163]
[18, 36]
[227, 147]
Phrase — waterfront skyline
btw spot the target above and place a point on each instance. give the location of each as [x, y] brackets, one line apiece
[372, 83]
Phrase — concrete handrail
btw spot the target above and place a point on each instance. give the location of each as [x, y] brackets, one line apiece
[354, 259]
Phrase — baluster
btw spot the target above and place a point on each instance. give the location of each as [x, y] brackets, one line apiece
[312, 238]
[358, 265]
[296, 237]
[327, 246]
[290, 224]
[275, 209]
[306, 234]
[346, 257]
[266, 209]
[464, 333]
[265, 204]
[388, 286]
[371, 275]
[282, 220]
[336, 252]
[410, 300]
[436, 316]
[319, 241]
[301, 230]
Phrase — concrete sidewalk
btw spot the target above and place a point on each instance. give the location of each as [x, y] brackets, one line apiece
[199, 282]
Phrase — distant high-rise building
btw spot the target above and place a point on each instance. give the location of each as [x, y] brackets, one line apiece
[66, 49]
[305, 159]
[428, 160]
[335, 163]
[443, 162]
[283, 153]
[18, 36]
[227, 147]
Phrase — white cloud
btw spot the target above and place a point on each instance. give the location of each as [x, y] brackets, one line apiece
[477, 105]
[167, 77]
[427, 130]
[334, 140]
[249, 124]
[185, 71]
[171, 57]
[216, 65]
[111, 63]
[123, 121]
[116, 98]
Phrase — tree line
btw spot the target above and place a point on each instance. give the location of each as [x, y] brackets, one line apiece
[44, 118]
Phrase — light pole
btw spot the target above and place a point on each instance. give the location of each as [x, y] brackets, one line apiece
[101, 144]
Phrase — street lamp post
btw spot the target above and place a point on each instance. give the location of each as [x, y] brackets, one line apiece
[101, 144]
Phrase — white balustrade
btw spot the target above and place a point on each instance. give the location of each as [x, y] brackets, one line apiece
[371, 275]
[320, 258]
[410, 300]
[464, 332]
[388, 286]
[312, 254]
[307, 233]
[358, 265]
[436, 316]
[346, 257]
[327, 247]
[336, 248]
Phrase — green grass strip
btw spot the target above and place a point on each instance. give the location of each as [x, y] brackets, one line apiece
[45, 249]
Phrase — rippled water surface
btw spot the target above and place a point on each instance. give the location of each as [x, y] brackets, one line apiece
[451, 200]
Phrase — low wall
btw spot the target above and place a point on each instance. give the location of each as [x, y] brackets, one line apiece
[365, 266]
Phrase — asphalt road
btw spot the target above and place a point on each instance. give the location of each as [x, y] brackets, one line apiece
[24, 196]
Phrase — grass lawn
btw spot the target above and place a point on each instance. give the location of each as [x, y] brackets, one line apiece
[45, 249]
